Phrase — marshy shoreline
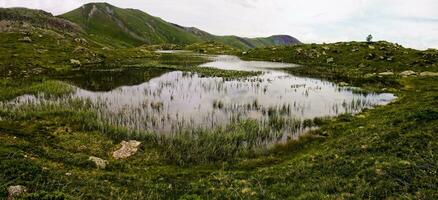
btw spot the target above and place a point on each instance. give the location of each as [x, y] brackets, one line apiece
[48, 147]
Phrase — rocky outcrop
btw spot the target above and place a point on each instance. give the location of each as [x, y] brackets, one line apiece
[127, 149]
[37, 18]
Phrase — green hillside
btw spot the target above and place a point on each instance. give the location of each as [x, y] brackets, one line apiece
[242, 42]
[129, 27]
[126, 27]
[37, 18]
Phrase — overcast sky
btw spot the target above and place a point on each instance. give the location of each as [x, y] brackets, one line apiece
[412, 23]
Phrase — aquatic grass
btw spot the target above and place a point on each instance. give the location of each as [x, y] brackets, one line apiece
[383, 153]
[9, 89]
[386, 152]
[187, 146]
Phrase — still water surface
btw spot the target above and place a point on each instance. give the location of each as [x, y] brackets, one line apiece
[175, 101]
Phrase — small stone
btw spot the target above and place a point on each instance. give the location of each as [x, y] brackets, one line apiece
[16, 191]
[25, 39]
[68, 174]
[370, 56]
[371, 47]
[433, 74]
[370, 75]
[100, 163]
[343, 84]
[330, 60]
[386, 74]
[75, 62]
[81, 41]
[408, 73]
[128, 149]
[80, 49]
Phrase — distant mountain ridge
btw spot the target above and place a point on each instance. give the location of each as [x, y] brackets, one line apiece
[131, 27]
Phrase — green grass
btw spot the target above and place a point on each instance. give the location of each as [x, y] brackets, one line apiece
[10, 89]
[212, 48]
[119, 27]
[126, 27]
[388, 152]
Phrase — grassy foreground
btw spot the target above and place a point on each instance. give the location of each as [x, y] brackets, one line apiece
[384, 153]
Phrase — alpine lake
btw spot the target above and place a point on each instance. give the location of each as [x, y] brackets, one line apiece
[169, 102]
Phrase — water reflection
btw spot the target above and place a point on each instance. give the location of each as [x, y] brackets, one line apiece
[107, 80]
[179, 100]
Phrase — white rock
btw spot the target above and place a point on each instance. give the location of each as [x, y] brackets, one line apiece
[370, 75]
[128, 149]
[408, 73]
[15, 191]
[100, 163]
[75, 62]
[25, 39]
[330, 60]
[343, 84]
[386, 73]
[81, 40]
[429, 74]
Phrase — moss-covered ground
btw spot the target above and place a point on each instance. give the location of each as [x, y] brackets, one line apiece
[388, 152]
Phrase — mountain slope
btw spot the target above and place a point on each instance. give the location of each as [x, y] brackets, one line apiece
[129, 27]
[242, 42]
[126, 27]
[36, 18]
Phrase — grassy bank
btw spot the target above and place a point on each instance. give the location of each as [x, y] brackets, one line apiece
[384, 153]
[387, 152]
[356, 63]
